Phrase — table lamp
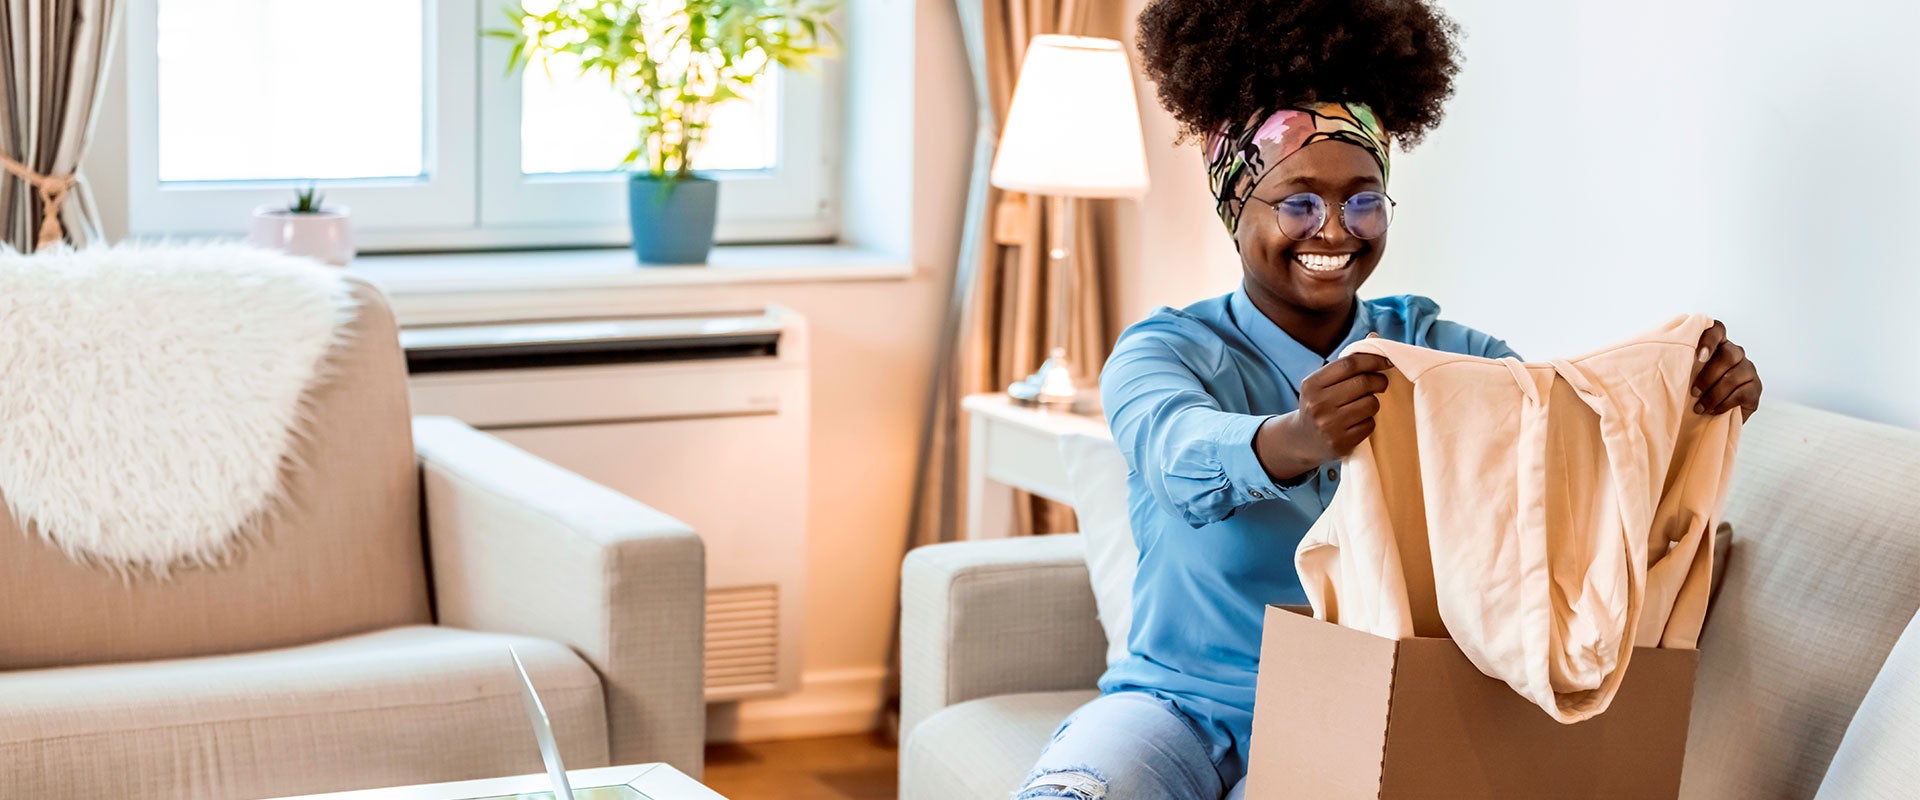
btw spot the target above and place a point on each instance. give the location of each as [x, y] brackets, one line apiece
[1073, 131]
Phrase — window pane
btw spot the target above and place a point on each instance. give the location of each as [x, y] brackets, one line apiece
[262, 89]
[570, 123]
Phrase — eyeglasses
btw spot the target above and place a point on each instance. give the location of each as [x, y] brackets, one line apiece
[1366, 215]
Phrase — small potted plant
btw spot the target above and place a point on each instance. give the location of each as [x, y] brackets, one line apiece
[305, 228]
[674, 62]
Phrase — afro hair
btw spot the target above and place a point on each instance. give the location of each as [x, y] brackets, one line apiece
[1222, 61]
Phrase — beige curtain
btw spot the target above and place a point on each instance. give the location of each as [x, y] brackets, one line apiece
[1004, 289]
[53, 67]
[995, 328]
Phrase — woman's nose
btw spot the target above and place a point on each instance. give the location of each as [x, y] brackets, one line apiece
[1334, 230]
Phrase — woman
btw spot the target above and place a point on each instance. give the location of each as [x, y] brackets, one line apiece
[1233, 413]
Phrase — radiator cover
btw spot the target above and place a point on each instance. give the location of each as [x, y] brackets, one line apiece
[702, 416]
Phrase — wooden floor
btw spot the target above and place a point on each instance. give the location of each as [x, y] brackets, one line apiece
[860, 767]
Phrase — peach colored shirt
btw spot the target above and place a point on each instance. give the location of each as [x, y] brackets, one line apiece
[1549, 517]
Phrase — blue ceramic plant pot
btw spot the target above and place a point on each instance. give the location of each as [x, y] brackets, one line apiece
[672, 220]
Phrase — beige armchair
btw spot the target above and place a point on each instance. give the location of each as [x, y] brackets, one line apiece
[360, 640]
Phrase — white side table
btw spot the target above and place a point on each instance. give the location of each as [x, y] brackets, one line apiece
[1011, 446]
[637, 782]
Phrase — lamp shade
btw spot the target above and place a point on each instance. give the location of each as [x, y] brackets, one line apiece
[1074, 126]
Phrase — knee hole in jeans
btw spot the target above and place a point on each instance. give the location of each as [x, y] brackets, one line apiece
[1073, 784]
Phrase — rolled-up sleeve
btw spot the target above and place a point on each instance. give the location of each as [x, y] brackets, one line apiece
[1197, 460]
[1453, 337]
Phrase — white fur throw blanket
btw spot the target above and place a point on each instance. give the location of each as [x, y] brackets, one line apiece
[151, 393]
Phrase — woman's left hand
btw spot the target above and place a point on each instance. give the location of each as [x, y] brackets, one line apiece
[1727, 380]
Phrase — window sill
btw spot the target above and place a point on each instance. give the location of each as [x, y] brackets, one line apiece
[449, 288]
[409, 274]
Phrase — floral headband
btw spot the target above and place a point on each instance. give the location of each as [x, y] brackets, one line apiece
[1238, 156]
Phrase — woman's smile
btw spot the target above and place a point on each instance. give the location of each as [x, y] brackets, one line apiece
[1324, 266]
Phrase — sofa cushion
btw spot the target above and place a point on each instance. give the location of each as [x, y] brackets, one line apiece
[405, 705]
[1824, 578]
[1877, 757]
[340, 555]
[1098, 474]
[982, 748]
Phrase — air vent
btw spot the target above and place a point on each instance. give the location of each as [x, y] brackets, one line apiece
[588, 342]
[743, 639]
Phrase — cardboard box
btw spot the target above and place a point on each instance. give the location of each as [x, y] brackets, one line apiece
[1340, 713]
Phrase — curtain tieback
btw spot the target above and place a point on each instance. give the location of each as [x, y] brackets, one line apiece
[53, 191]
[1010, 222]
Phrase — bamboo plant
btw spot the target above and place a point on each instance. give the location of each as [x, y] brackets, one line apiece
[674, 60]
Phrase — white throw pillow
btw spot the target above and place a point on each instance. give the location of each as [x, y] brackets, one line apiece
[1098, 474]
[1876, 758]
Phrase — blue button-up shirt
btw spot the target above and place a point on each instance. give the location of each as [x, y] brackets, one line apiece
[1184, 391]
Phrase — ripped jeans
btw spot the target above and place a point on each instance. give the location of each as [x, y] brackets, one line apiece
[1125, 746]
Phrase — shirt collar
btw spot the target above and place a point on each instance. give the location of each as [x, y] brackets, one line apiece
[1294, 360]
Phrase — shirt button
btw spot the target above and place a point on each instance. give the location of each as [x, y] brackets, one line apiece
[1333, 474]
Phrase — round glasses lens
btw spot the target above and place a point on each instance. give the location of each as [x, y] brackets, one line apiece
[1367, 214]
[1301, 215]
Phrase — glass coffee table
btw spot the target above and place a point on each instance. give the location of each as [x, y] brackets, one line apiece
[639, 782]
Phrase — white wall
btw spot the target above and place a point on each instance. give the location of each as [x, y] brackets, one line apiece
[1172, 249]
[1607, 164]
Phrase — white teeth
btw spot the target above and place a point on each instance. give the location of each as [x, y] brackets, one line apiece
[1322, 263]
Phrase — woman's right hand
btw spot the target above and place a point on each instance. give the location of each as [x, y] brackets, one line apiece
[1336, 411]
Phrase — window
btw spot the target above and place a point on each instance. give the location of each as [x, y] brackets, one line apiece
[205, 136]
[570, 123]
[404, 113]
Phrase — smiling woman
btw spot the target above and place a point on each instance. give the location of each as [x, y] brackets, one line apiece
[1233, 412]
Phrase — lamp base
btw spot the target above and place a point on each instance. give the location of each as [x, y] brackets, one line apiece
[1052, 385]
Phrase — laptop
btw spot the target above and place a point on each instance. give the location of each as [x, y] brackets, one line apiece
[562, 789]
[542, 731]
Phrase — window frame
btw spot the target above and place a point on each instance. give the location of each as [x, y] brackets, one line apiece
[439, 197]
[470, 194]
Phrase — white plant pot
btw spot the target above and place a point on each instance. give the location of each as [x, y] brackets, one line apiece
[323, 235]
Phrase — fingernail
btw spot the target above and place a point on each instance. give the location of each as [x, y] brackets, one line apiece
[1695, 390]
[1699, 409]
[1705, 354]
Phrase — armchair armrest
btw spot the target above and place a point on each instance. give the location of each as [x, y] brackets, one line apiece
[995, 617]
[518, 545]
